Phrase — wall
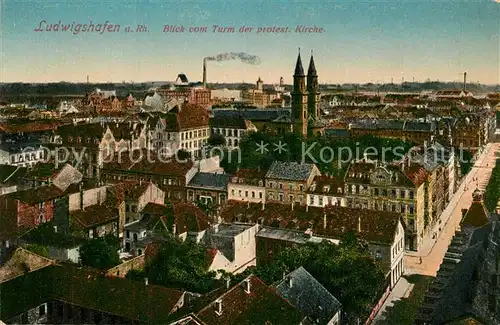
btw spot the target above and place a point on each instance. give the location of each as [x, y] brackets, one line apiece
[90, 197]
[65, 254]
[29, 214]
[260, 192]
[137, 263]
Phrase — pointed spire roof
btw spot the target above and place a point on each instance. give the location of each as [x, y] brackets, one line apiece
[477, 215]
[299, 70]
[312, 68]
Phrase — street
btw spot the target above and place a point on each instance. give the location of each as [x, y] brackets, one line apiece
[433, 250]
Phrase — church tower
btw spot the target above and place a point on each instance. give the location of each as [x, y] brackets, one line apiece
[299, 99]
[314, 95]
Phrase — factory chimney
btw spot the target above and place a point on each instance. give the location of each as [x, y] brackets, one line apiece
[465, 81]
[204, 73]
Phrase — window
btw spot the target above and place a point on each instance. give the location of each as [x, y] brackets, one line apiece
[321, 200]
[281, 197]
[311, 200]
[246, 193]
[239, 193]
[271, 184]
[128, 233]
[42, 310]
[411, 195]
[290, 197]
[281, 186]
[232, 192]
[376, 191]
[134, 208]
[301, 188]
[291, 186]
[253, 194]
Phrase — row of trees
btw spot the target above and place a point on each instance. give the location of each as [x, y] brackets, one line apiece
[180, 265]
[329, 154]
[492, 193]
[100, 253]
[347, 271]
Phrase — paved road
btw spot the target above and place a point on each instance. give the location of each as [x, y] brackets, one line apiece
[433, 251]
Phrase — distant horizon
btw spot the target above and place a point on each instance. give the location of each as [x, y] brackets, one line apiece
[458, 83]
[353, 42]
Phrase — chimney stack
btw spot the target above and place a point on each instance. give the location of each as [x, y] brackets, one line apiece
[290, 282]
[247, 285]
[359, 224]
[204, 73]
[81, 197]
[324, 219]
[465, 81]
[146, 281]
[263, 206]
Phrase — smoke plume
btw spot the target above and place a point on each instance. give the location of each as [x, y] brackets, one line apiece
[244, 57]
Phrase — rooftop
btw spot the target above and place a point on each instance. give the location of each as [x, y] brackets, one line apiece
[210, 181]
[303, 291]
[292, 171]
[261, 305]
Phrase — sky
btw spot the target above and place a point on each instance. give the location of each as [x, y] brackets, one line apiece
[363, 41]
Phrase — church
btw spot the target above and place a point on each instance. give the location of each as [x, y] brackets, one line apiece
[305, 117]
[306, 100]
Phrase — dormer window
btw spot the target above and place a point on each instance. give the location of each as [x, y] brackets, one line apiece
[260, 183]
[218, 307]
[241, 180]
[339, 190]
[313, 187]
[326, 188]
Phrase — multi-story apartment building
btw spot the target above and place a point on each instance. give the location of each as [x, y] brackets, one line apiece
[88, 146]
[191, 94]
[232, 129]
[185, 128]
[287, 182]
[394, 188]
[326, 190]
[414, 131]
[247, 185]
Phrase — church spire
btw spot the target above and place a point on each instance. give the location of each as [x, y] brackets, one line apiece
[312, 68]
[299, 70]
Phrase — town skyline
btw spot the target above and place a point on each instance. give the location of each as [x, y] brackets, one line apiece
[361, 42]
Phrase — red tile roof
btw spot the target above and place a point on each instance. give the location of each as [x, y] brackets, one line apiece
[129, 299]
[26, 126]
[188, 217]
[261, 306]
[147, 162]
[93, 216]
[376, 226]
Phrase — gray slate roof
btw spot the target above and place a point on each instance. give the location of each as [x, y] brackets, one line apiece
[253, 114]
[308, 296]
[210, 181]
[291, 171]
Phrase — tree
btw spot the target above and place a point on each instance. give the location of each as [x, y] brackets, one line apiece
[38, 249]
[347, 271]
[182, 265]
[100, 253]
[216, 140]
[183, 155]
